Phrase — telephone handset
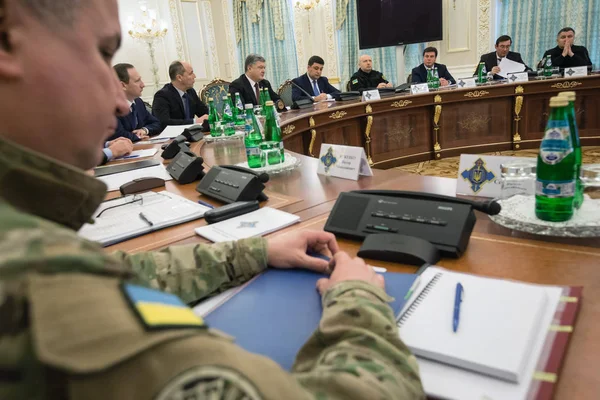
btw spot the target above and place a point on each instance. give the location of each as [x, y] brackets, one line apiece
[231, 183]
[446, 222]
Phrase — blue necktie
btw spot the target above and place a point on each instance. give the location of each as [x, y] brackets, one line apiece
[186, 106]
[316, 88]
[134, 119]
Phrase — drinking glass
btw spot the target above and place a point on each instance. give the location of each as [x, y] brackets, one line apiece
[518, 177]
[590, 180]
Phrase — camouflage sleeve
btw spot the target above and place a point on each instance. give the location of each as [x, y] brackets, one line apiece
[356, 353]
[196, 271]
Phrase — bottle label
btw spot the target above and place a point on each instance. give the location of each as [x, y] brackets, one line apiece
[227, 110]
[556, 145]
[252, 151]
[555, 188]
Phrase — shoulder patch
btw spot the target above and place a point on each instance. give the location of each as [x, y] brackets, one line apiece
[355, 81]
[383, 77]
[206, 382]
[160, 310]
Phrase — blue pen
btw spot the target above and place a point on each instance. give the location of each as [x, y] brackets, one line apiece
[457, 302]
[205, 204]
[130, 156]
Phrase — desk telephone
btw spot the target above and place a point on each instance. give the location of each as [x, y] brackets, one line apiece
[446, 222]
[231, 183]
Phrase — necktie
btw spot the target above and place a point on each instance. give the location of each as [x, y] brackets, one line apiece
[186, 106]
[134, 120]
[316, 88]
[257, 93]
[499, 60]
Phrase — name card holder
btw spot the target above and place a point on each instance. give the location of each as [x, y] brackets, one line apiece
[347, 162]
[518, 77]
[419, 88]
[466, 83]
[370, 95]
[573, 72]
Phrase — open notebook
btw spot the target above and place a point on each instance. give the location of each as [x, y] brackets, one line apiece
[500, 341]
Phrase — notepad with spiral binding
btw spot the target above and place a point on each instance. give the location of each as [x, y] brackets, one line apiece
[510, 342]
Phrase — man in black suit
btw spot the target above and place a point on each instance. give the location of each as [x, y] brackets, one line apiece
[419, 74]
[313, 83]
[177, 103]
[139, 123]
[492, 59]
[566, 54]
[252, 81]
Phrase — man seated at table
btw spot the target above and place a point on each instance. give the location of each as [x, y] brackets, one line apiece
[493, 59]
[78, 322]
[366, 77]
[116, 148]
[313, 83]
[566, 54]
[419, 74]
[138, 123]
[252, 81]
[177, 103]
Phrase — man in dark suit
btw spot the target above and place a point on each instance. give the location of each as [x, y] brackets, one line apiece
[139, 123]
[492, 59]
[252, 81]
[313, 83]
[177, 103]
[566, 54]
[419, 74]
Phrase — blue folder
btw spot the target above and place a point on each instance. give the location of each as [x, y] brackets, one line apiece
[277, 312]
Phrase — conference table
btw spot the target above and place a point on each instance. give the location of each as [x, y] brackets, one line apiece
[493, 250]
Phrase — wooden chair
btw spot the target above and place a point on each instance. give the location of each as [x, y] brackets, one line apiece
[215, 89]
[285, 92]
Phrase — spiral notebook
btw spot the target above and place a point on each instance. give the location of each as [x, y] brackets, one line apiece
[502, 339]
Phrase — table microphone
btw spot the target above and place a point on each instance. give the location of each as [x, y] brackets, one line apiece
[310, 96]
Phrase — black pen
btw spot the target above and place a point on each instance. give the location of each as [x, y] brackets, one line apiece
[146, 220]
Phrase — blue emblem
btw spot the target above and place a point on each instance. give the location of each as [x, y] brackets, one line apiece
[248, 224]
[328, 159]
[478, 175]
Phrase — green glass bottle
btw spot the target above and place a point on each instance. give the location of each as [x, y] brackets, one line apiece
[481, 73]
[436, 78]
[571, 96]
[253, 139]
[555, 184]
[214, 122]
[548, 66]
[262, 102]
[239, 108]
[273, 138]
[228, 121]
[429, 79]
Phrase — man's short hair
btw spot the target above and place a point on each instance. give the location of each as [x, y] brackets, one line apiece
[122, 71]
[503, 38]
[430, 50]
[176, 68]
[253, 59]
[315, 60]
[565, 29]
[62, 11]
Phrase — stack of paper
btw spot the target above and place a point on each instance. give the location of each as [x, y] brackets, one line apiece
[115, 181]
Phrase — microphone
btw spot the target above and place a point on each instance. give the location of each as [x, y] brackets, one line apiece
[310, 96]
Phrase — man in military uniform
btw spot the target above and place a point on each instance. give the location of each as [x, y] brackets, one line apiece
[366, 77]
[79, 323]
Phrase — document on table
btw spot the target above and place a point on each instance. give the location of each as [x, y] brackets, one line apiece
[115, 181]
[509, 66]
[138, 154]
[171, 131]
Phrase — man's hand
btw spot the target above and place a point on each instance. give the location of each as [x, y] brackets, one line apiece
[120, 147]
[141, 133]
[201, 119]
[444, 82]
[350, 269]
[321, 97]
[495, 70]
[289, 251]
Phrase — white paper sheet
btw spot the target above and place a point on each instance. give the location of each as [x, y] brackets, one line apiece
[172, 131]
[509, 66]
[114, 181]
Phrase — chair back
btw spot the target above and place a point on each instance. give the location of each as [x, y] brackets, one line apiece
[409, 78]
[285, 92]
[349, 86]
[217, 88]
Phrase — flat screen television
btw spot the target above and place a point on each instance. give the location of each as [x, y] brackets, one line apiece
[395, 22]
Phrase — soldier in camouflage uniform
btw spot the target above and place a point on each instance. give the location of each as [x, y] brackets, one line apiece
[71, 326]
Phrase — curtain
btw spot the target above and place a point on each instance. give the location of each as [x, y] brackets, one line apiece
[265, 27]
[384, 58]
[413, 57]
[534, 24]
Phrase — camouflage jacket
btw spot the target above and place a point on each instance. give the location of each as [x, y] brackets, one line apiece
[66, 330]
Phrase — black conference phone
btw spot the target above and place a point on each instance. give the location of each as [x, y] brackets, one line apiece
[231, 183]
[446, 222]
[186, 167]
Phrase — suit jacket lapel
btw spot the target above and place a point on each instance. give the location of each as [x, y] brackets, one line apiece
[178, 99]
[249, 89]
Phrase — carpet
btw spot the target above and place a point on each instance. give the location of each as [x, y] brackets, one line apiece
[448, 167]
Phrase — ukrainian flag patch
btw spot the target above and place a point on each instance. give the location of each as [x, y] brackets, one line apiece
[159, 310]
[355, 81]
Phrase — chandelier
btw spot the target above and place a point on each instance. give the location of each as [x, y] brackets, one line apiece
[306, 4]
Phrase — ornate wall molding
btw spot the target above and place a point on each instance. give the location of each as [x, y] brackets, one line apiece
[206, 8]
[174, 10]
[299, 37]
[231, 47]
[331, 63]
[484, 14]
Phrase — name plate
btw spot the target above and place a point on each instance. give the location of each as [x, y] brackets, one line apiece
[419, 88]
[370, 95]
[466, 83]
[573, 72]
[479, 175]
[518, 77]
[346, 162]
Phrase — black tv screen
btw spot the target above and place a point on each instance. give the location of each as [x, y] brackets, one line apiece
[394, 22]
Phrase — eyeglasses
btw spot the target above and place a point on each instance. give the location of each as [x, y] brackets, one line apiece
[136, 198]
